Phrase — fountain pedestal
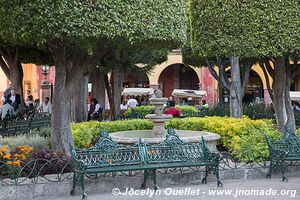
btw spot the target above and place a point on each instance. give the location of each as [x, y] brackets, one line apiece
[158, 118]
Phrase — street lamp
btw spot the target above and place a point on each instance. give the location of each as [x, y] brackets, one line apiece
[45, 85]
[45, 72]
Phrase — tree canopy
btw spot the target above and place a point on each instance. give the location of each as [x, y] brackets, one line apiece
[263, 30]
[83, 22]
[248, 29]
[79, 33]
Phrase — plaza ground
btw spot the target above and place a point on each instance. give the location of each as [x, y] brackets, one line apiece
[273, 189]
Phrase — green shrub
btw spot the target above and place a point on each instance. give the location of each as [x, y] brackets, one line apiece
[187, 109]
[35, 141]
[219, 110]
[243, 137]
[85, 132]
[190, 111]
[258, 111]
[140, 111]
[43, 132]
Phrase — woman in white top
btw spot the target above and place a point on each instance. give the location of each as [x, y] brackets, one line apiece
[123, 105]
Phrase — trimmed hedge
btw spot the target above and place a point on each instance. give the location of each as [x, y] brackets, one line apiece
[140, 111]
[187, 109]
[243, 137]
[85, 132]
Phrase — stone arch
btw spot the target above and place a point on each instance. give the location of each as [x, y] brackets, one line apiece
[174, 58]
[178, 76]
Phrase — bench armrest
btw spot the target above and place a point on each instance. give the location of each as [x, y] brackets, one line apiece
[214, 157]
[78, 165]
[143, 151]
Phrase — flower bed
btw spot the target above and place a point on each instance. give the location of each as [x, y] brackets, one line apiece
[25, 162]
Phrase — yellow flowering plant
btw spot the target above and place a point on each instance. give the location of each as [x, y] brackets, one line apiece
[242, 137]
[15, 157]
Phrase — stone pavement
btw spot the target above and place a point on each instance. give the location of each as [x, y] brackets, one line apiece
[262, 189]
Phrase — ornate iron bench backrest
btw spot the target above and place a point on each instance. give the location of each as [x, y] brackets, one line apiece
[40, 121]
[17, 126]
[107, 153]
[289, 135]
[173, 149]
[289, 144]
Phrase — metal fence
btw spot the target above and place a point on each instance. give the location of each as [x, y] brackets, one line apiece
[60, 169]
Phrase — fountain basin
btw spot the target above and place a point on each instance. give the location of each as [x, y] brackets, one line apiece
[132, 137]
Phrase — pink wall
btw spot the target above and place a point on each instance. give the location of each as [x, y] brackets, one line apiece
[50, 77]
[208, 85]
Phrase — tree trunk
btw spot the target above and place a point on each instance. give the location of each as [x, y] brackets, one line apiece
[16, 78]
[79, 106]
[236, 103]
[12, 67]
[4, 67]
[117, 85]
[98, 88]
[281, 89]
[109, 94]
[61, 135]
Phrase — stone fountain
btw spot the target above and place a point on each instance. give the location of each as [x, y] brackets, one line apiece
[158, 118]
[158, 133]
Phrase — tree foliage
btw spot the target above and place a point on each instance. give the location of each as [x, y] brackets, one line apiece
[264, 30]
[79, 33]
[248, 29]
[85, 21]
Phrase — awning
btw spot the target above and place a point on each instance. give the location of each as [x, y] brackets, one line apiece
[295, 96]
[188, 93]
[138, 91]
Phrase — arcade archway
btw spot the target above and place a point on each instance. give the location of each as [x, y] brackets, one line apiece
[177, 76]
[254, 90]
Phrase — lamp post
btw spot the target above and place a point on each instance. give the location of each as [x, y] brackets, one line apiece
[45, 72]
[45, 86]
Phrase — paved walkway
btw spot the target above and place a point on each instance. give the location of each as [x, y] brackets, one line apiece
[262, 189]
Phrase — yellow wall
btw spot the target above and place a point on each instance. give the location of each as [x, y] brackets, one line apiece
[259, 71]
[174, 57]
[30, 79]
[3, 81]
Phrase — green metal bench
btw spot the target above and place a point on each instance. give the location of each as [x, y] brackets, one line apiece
[286, 149]
[108, 156]
[40, 121]
[15, 127]
[12, 128]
